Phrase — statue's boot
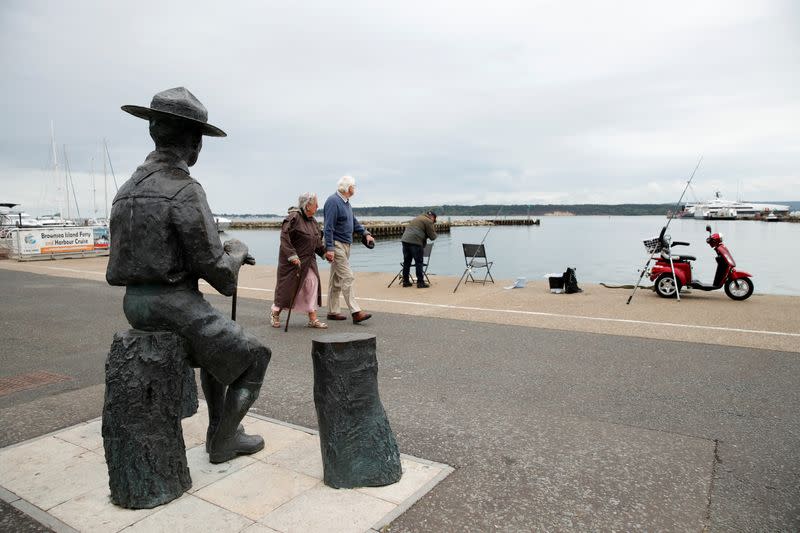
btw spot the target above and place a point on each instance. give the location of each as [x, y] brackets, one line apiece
[213, 429]
[214, 391]
[228, 442]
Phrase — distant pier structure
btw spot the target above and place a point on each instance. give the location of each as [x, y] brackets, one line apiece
[515, 222]
[390, 229]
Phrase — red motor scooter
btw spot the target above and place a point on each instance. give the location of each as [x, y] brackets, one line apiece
[670, 270]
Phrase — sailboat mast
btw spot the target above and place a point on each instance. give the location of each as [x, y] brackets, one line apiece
[55, 169]
[116, 187]
[94, 190]
[105, 186]
[66, 183]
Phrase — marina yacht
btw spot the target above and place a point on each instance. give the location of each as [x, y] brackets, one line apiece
[721, 209]
[56, 220]
[15, 218]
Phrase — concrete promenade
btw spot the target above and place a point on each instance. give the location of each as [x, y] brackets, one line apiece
[557, 412]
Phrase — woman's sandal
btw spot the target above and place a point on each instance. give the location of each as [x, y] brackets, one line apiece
[275, 319]
[316, 324]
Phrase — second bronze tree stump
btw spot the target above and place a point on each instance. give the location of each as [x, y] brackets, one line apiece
[357, 444]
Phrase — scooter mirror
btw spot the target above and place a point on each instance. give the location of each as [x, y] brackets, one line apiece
[708, 229]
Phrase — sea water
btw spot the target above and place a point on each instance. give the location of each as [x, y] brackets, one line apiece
[607, 249]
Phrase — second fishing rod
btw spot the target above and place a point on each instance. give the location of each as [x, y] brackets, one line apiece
[661, 240]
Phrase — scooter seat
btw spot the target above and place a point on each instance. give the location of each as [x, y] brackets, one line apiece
[676, 258]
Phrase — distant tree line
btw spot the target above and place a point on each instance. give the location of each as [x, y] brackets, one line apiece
[490, 210]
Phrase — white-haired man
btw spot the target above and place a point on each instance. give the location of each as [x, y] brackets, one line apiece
[340, 224]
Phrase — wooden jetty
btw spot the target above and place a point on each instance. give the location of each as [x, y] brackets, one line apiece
[515, 222]
[378, 229]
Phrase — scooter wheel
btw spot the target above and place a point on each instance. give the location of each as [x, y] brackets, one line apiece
[665, 286]
[739, 289]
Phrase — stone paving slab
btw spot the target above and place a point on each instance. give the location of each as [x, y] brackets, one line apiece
[61, 480]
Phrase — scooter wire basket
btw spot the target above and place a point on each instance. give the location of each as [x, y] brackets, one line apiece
[653, 245]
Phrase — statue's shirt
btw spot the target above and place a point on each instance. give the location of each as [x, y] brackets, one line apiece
[163, 231]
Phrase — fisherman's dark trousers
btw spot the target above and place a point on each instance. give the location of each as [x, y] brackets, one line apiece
[415, 252]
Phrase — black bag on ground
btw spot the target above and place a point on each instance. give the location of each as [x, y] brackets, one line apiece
[571, 282]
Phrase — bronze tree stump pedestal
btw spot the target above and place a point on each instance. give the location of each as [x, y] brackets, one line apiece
[357, 444]
[150, 387]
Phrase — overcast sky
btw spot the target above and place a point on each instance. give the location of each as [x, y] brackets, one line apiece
[424, 103]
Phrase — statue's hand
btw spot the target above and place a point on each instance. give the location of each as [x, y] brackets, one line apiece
[249, 260]
[235, 247]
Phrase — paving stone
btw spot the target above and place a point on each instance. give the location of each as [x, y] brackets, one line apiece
[415, 476]
[64, 481]
[277, 437]
[194, 428]
[257, 489]
[260, 528]
[334, 511]
[189, 514]
[204, 473]
[27, 460]
[304, 456]
[94, 511]
[88, 436]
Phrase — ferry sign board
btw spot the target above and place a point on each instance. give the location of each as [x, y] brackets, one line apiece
[62, 240]
[101, 239]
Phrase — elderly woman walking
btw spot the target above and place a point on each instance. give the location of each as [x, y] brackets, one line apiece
[298, 284]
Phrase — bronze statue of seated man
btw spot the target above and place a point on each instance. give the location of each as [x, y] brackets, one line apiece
[163, 240]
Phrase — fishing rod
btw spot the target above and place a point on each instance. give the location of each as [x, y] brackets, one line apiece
[661, 242]
[477, 249]
[688, 183]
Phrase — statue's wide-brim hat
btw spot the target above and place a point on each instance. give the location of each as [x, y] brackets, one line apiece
[177, 103]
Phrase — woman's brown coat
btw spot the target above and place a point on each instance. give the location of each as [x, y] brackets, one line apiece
[301, 237]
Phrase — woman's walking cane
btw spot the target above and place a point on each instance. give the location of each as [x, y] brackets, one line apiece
[296, 290]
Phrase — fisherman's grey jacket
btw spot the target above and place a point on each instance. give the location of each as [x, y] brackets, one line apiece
[418, 230]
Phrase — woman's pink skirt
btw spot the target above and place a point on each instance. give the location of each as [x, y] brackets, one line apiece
[306, 299]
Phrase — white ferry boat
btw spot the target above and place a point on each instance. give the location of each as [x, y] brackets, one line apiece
[720, 209]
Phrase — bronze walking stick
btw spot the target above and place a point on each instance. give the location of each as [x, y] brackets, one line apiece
[248, 260]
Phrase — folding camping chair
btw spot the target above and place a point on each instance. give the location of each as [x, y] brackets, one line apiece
[475, 257]
[426, 257]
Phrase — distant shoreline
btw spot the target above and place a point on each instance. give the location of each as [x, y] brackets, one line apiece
[495, 211]
[499, 211]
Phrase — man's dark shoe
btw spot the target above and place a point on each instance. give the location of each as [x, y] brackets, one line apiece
[360, 316]
[407, 284]
[336, 316]
[239, 444]
[422, 285]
